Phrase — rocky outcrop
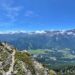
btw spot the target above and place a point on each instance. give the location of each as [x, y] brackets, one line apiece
[13, 62]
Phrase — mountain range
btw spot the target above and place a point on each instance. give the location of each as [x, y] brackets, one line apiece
[41, 39]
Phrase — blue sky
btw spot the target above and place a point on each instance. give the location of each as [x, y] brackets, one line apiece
[31, 15]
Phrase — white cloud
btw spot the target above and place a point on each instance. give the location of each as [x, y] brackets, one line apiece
[40, 32]
[30, 13]
[10, 10]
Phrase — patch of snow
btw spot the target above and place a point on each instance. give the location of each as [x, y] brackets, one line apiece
[62, 32]
[70, 33]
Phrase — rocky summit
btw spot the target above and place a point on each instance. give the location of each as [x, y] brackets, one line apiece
[14, 62]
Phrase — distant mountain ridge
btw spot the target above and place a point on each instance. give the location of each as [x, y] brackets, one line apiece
[41, 39]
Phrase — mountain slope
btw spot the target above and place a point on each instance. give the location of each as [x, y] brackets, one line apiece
[13, 62]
